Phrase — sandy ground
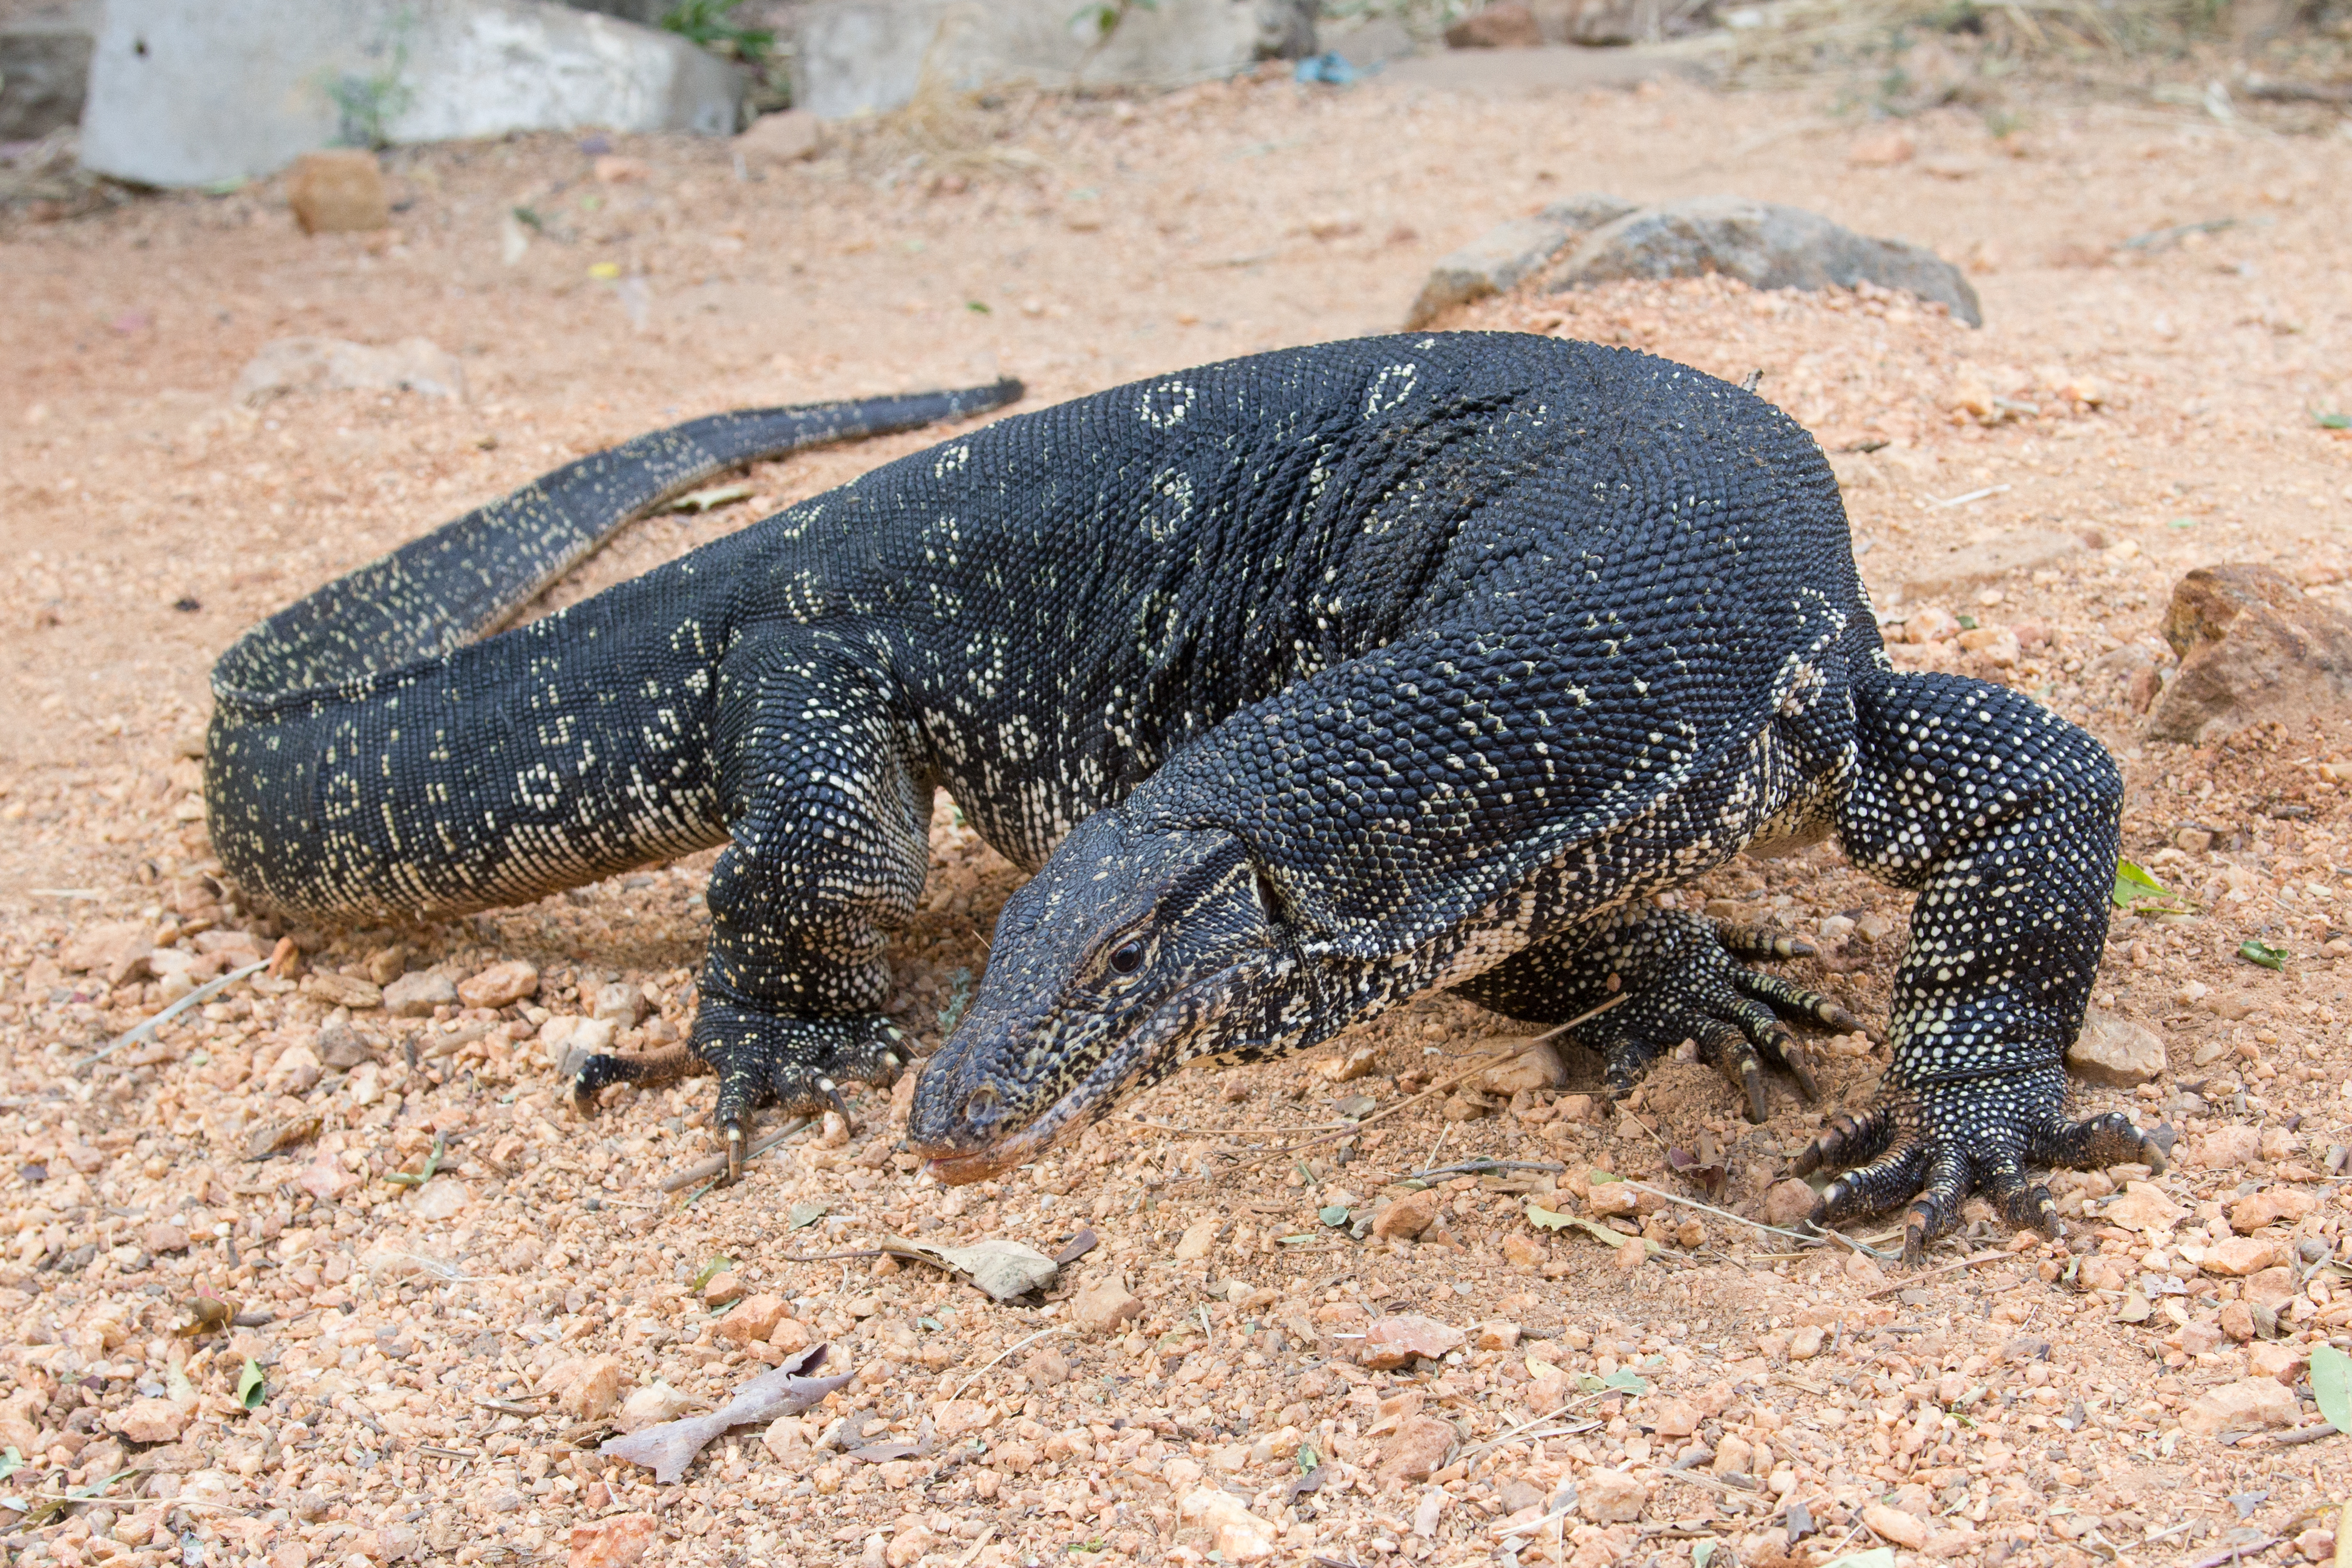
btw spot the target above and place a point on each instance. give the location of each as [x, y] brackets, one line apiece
[423, 1369]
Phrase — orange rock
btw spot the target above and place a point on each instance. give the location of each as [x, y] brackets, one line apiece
[339, 191]
[2240, 1256]
[1105, 1306]
[1419, 1447]
[595, 1393]
[500, 985]
[1394, 1341]
[618, 1541]
[1408, 1217]
[754, 1318]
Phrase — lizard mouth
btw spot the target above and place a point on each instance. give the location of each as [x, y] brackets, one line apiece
[1176, 1016]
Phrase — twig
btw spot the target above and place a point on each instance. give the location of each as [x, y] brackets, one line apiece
[829, 1256]
[986, 1535]
[1909, 1280]
[1483, 1063]
[146, 1031]
[2251, 1548]
[1480, 1166]
[1797, 1235]
[717, 1163]
[1033, 1338]
[2305, 1434]
[2157, 238]
[1973, 495]
[1513, 1435]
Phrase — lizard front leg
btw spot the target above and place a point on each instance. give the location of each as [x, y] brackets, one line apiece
[828, 819]
[1680, 978]
[2005, 817]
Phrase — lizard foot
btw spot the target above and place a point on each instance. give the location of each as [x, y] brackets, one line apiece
[1935, 1145]
[1690, 985]
[795, 1064]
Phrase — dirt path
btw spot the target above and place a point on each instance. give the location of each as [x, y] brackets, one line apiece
[434, 1355]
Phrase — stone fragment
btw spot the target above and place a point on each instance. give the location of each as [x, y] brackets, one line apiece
[1612, 23]
[1199, 1239]
[620, 1003]
[118, 952]
[1408, 1217]
[289, 365]
[2281, 1361]
[909, 1545]
[1899, 1526]
[2115, 1051]
[651, 1406]
[1396, 1339]
[1996, 645]
[2254, 649]
[500, 986]
[752, 1318]
[1538, 1067]
[1673, 1417]
[787, 137]
[1348, 1065]
[2144, 1207]
[296, 1072]
[2269, 1206]
[791, 1336]
[1498, 1334]
[1763, 245]
[442, 1198]
[1498, 260]
[1805, 1343]
[343, 990]
[1237, 1535]
[2226, 1147]
[416, 995]
[338, 192]
[1788, 1201]
[2272, 1288]
[1615, 1200]
[1418, 1445]
[1506, 25]
[1105, 1306]
[2249, 1404]
[165, 1237]
[593, 1394]
[188, 94]
[2239, 1256]
[955, 1419]
[1611, 1497]
[150, 1421]
[1972, 564]
[1521, 1250]
[385, 965]
[616, 1540]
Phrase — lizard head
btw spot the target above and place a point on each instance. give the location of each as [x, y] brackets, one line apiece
[1136, 949]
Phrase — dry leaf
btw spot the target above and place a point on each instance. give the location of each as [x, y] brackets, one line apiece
[668, 1449]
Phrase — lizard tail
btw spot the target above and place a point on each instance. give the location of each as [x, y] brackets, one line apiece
[467, 578]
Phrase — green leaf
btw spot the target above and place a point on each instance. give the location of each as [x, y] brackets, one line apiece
[1543, 1218]
[2132, 883]
[432, 1163]
[252, 1385]
[2331, 1385]
[2182, 522]
[1308, 1458]
[2254, 950]
[1701, 1550]
[977, 307]
[2332, 421]
[1968, 622]
[1626, 1380]
[710, 1270]
[1332, 1214]
[804, 1214]
[1598, 1178]
[10, 1463]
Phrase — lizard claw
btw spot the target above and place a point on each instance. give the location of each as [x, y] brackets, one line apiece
[1927, 1149]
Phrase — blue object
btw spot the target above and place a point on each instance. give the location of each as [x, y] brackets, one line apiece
[1334, 69]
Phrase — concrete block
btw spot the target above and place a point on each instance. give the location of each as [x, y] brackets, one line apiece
[867, 57]
[45, 46]
[183, 92]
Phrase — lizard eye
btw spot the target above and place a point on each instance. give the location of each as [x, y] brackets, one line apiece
[1128, 957]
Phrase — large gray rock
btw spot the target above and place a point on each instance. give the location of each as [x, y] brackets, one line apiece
[2254, 649]
[1765, 246]
[1498, 259]
[867, 56]
[185, 94]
